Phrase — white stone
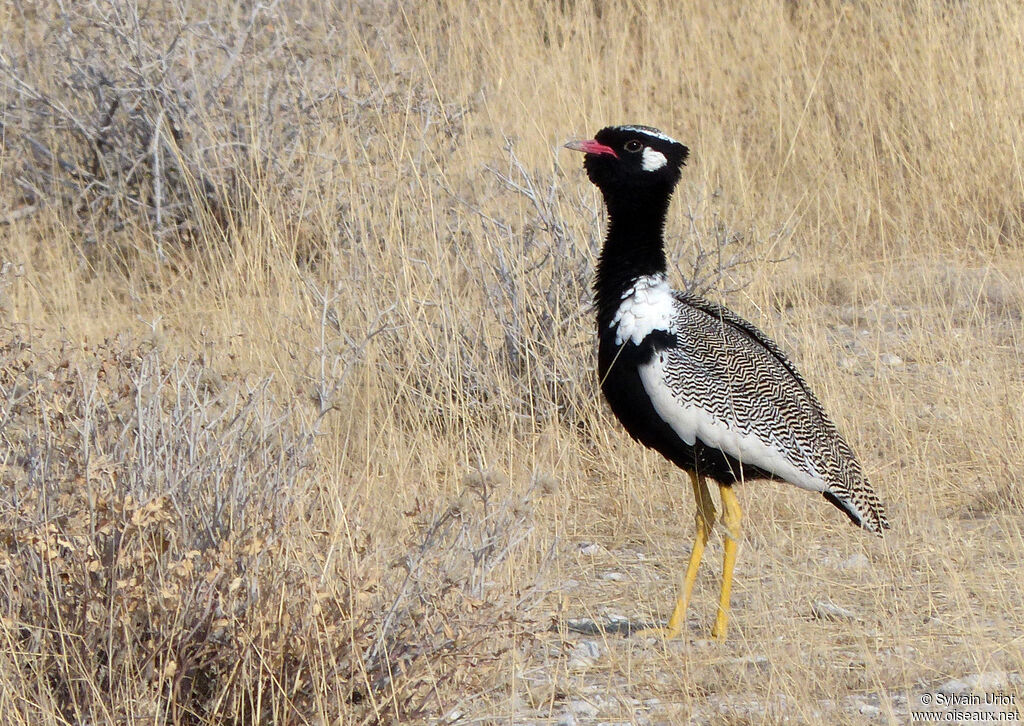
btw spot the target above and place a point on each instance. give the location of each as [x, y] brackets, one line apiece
[990, 681]
[858, 561]
[584, 654]
[825, 610]
[583, 708]
[587, 649]
[591, 549]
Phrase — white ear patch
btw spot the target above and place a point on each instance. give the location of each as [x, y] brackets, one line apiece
[652, 160]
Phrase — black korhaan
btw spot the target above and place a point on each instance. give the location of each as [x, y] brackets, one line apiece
[691, 379]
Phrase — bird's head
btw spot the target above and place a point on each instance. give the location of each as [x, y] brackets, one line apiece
[632, 159]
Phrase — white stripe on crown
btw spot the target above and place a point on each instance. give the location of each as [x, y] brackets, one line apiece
[650, 132]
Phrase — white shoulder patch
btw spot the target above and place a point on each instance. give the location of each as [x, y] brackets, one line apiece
[645, 307]
[652, 160]
[691, 422]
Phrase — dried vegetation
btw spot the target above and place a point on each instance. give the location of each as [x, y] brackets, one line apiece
[297, 423]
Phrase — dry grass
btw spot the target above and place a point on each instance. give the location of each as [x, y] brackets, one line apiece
[296, 411]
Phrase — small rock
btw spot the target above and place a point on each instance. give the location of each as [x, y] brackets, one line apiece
[613, 576]
[579, 624]
[870, 711]
[584, 654]
[955, 686]
[566, 719]
[587, 649]
[591, 549]
[858, 561]
[991, 681]
[583, 708]
[827, 610]
[753, 663]
[903, 651]
[890, 359]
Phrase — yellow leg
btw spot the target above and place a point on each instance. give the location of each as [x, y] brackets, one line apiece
[731, 517]
[705, 520]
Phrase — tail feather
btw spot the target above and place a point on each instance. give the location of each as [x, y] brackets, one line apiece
[870, 515]
[850, 490]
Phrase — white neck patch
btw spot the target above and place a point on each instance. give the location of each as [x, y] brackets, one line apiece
[652, 160]
[645, 307]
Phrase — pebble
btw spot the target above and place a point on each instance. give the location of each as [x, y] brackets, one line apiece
[583, 708]
[613, 576]
[583, 625]
[753, 663]
[584, 654]
[954, 686]
[591, 549]
[825, 610]
[991, 681]
[858, 561]
[890, 359]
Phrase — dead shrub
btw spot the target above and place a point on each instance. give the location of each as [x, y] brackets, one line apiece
[163, 560]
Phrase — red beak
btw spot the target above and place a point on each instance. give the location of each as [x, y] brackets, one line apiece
[591, 147]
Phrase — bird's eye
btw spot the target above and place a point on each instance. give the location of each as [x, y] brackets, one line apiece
[633, 145]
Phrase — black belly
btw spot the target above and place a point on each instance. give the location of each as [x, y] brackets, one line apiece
[618, 368]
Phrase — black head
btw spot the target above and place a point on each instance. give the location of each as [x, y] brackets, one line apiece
[632, 160]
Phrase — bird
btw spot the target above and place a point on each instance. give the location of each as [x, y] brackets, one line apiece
[693, 380]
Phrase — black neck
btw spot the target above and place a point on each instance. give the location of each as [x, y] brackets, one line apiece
[634, 247]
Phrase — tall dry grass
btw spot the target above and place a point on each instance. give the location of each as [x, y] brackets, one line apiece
[297, 414]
